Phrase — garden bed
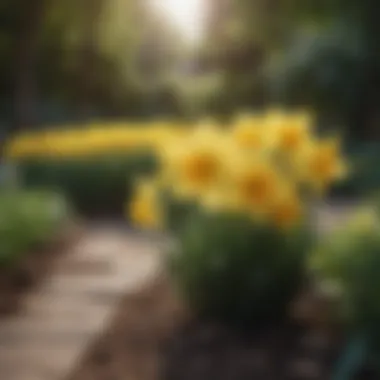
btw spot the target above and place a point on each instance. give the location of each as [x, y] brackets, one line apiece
[30, 269]
[153, 337]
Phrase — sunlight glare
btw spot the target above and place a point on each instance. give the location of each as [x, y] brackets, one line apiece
[187, 15]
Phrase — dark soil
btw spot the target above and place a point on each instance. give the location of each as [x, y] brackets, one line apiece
[31, 269]
[152, 337]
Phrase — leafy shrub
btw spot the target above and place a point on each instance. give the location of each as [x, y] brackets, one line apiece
[230, 268]
[177, 211]
[28, 219]
[347, 262]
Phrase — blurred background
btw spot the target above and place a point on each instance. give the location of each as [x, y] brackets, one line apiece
[71, 62]
[91, 90]
[74, 60]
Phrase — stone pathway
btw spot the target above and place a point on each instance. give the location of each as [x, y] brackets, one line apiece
[61, 318]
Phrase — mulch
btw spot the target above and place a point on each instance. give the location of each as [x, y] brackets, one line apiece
[153, 337]
[32, 269]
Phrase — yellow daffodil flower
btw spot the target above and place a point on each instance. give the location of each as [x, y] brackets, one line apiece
[286, 209]
[323, 163]
[144, 209]
[249, 133]
[198, 170]
[195, 163]
[289, 132]
[257, 185]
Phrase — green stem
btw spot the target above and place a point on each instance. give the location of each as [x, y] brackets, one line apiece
[352, 358]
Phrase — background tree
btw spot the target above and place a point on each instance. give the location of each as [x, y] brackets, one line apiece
[68, 60]
[334, 67]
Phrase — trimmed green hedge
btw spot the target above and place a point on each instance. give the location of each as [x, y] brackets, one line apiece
[93, 185]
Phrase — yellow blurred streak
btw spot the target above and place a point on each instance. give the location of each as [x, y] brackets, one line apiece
[92, 139]
[144, 209]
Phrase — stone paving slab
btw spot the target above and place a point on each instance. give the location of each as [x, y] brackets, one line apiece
[61, 318]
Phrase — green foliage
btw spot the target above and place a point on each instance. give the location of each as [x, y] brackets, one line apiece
[177, 212]
[28, 219]
[348, 261]
[364, 179]
[332, 72]
[94, 185]
[232, 269]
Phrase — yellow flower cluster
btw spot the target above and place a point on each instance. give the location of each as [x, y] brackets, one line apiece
[264, 165]
[90, 140]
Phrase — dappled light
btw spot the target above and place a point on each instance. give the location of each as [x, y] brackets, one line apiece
[188, 16]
